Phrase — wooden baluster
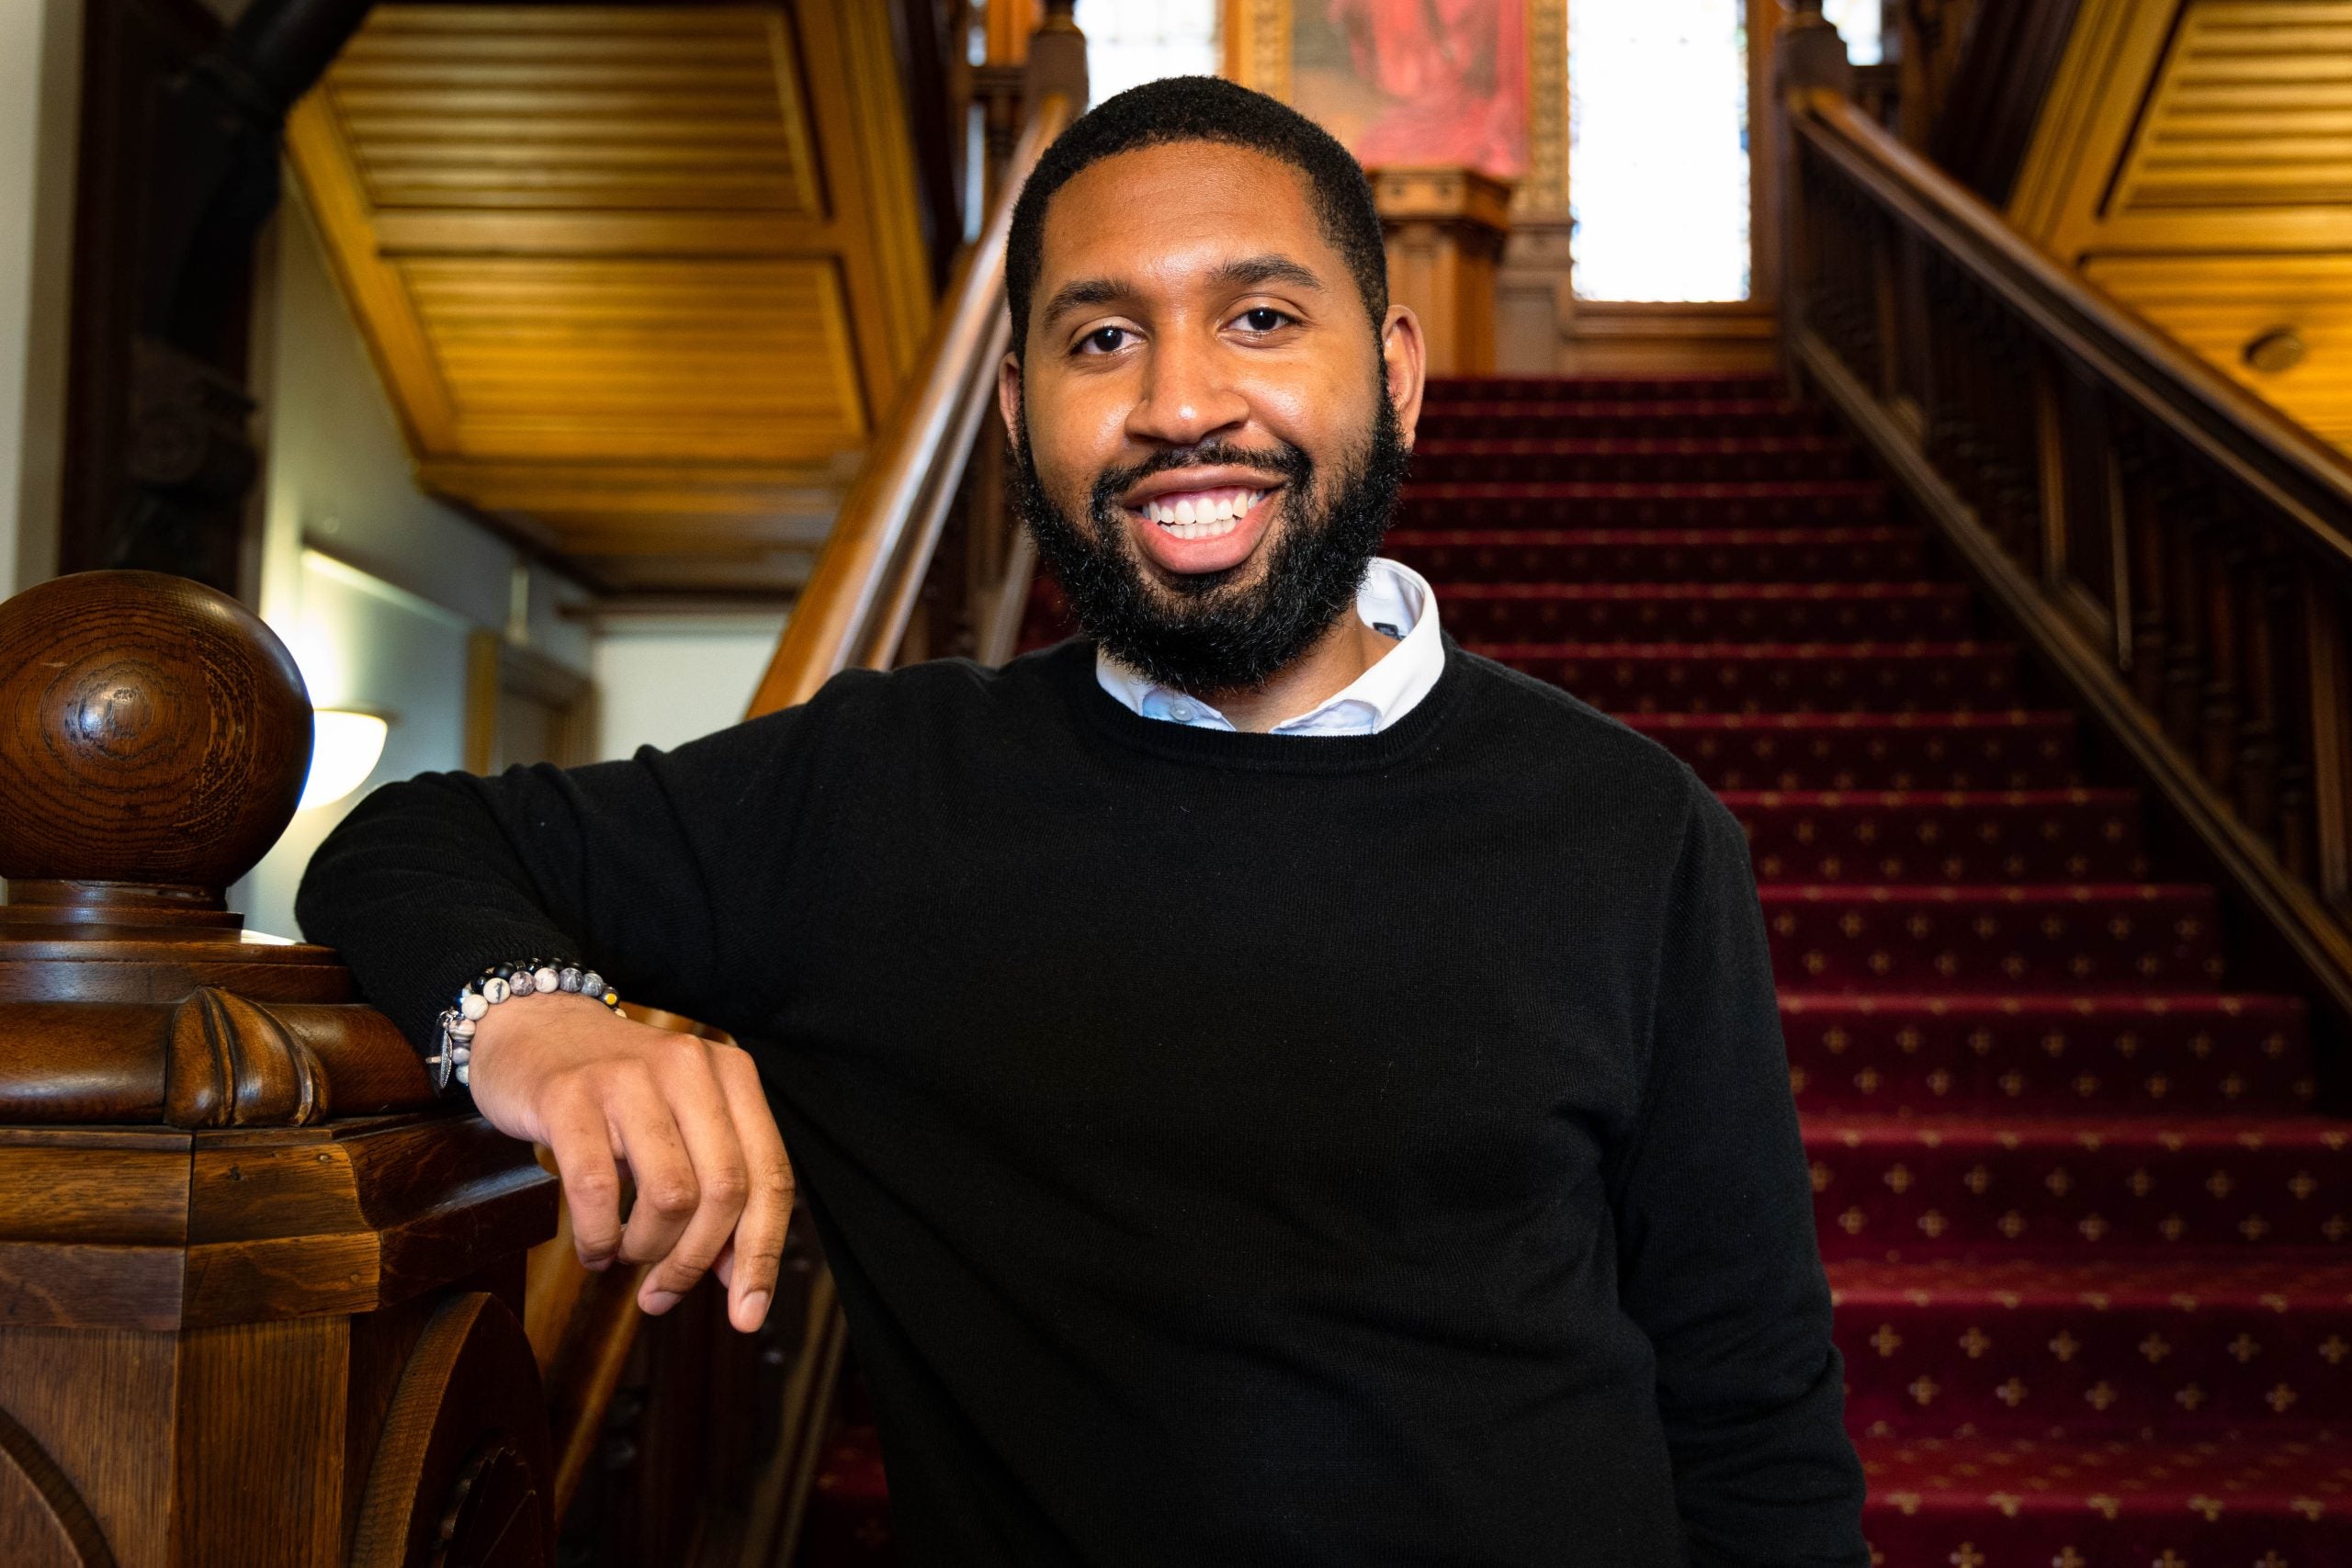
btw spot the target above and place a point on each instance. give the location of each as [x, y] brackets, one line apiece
[2150, 587]
[2270, 607]
[2225, 589]
[2185, 651]
[2012, 440]
[2327, 721]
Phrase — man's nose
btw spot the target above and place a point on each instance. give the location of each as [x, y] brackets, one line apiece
[1188, 395]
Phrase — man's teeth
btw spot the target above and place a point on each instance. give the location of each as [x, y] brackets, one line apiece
[1208, 516]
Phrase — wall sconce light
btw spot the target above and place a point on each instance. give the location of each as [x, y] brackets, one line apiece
[345, 746]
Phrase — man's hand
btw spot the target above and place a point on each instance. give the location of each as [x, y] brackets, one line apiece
[688, 1117]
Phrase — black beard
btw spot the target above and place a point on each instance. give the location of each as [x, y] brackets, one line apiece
[1208, 634]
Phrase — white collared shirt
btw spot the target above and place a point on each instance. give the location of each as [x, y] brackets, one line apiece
[1395, 597]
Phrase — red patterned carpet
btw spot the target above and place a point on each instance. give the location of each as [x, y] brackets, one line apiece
[2091, 1246]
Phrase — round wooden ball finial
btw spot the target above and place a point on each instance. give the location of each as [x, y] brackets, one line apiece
[151, 731]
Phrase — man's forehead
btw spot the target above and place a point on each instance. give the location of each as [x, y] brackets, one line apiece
[1150, 206]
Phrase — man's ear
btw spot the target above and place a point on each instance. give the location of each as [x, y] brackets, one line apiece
[1008, 392]
[1404, 362]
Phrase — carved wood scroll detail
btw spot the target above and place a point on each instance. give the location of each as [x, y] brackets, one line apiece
[463, 1478]
[43, 1521]
[234, 1064]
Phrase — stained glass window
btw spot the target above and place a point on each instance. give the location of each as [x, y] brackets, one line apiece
[1658, 143]
[1658, 149]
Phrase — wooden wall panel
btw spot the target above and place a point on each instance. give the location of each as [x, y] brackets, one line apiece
[2251, 108]
[594, 357]
[641, 279]
[2195, 160]
[568, 108]
[2222, 306]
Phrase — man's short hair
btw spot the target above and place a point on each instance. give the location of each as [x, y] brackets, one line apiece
[1203, 108]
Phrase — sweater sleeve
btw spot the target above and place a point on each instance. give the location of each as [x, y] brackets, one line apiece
[662, 872]
[1717, 1259]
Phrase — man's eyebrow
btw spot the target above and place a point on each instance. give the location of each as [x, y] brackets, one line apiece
[1085, 291]
[1248, 271]
[1253, 271]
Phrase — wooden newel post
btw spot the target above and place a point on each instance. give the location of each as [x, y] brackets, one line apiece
[260, 1297]
[1808, 54]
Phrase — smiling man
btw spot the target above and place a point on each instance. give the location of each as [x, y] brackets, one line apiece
[1274, 1088]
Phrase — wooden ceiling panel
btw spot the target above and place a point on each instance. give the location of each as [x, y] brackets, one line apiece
[631, 273]
[2195, 160]
[635, 359]
[525, 107]
[2251, 108]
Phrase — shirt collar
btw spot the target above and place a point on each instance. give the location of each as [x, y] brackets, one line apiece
[1393, 596]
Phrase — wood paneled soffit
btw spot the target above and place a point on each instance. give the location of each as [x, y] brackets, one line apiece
[640, 279]
[2195, 160]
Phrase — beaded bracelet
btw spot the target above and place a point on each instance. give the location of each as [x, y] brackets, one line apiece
[497, 983]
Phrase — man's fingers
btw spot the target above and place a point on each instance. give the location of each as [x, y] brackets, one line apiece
[721, 1180]
[667, 1190]
[577, 1137]
[749, 1267]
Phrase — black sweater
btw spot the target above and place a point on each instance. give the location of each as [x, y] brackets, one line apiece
[1232, 1149]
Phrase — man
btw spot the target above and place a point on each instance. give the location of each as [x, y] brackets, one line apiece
[1273, 1087]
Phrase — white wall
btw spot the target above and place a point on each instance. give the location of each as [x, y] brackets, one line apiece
[39, 78]
[663, 682]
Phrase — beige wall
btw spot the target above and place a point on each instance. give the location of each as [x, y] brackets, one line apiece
[39, 71]
[668, 679]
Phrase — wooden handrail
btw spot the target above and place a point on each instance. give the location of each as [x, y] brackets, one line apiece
[2307, 479]
[865, 579]
[2175, 550]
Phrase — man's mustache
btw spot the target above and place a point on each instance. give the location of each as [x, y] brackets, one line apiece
[1294, 466]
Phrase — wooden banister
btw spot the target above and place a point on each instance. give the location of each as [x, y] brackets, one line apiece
[2262, 448]
[2171, 548]
[855, 611]
[855, 603]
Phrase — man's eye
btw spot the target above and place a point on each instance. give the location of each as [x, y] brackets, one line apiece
[1264, 318]
[1102, 340]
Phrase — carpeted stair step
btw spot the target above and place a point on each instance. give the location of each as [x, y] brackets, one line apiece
[1572, 459]
[1887, 1186]
[1702, 611]
[1660, 555]
[1447, 391]
[1620, 417]
[2152, 1053]
[1668, 505]
[2070, 835]
[1866, 751]
[2248, 1502]
[2025, 937]
[2077, 1347]
[1736, 677]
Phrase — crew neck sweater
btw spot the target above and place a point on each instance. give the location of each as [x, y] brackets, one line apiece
[1230, 1148]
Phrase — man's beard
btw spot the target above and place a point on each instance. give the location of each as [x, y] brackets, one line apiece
[1211, 633]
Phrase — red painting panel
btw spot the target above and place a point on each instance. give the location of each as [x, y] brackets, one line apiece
[1405, 82]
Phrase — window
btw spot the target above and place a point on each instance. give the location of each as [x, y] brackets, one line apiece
[1857, 23]
[1658, 149]
[1129, 42]
[1657, 143]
